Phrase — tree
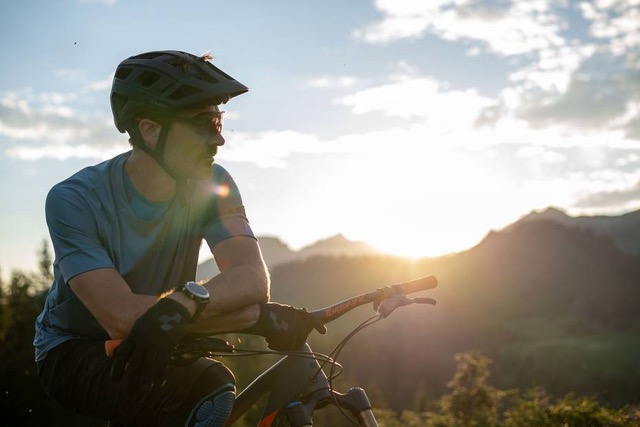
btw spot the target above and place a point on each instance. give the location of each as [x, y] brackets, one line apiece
[472, 401]
[45, 262]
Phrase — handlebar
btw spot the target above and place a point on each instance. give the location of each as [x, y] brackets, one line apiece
[328, 314]
[417, 285]
[394, 295]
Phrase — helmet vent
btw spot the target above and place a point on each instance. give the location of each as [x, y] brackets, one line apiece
[207, 78]
[147, 78]
[123, 72]
[183, 92]
[149, 55]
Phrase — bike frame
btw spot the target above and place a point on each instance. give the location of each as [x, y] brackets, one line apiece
[297, 387]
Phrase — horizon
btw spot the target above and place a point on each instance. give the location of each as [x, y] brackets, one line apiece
[205, 255]
[415, 127]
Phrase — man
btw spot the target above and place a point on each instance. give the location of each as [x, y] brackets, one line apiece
[126, 235]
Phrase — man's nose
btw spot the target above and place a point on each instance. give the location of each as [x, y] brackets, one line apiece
[216, 140]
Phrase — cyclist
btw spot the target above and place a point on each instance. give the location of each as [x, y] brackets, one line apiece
[126, 235]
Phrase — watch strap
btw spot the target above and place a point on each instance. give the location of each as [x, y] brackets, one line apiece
[201, 302]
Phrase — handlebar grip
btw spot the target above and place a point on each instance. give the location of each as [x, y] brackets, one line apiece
[111, 345]
[421, 284]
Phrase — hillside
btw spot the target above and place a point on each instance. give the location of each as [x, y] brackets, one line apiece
[624, 229]
[551, 304]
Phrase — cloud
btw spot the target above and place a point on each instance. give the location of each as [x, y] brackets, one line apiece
[563, 80]
[419, 97]
[45, 125]
[633, 126]
[505, 28]
[332, 82]
[64, 152]
[602, 93]
[100, 85]
[268, 149]
[616, 22]
[616, 200]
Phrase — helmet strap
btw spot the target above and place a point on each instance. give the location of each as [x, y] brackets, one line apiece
[158, 155]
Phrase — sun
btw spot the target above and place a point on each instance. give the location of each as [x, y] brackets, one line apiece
[426, 202]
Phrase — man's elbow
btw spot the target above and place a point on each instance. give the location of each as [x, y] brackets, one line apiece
[262, 281]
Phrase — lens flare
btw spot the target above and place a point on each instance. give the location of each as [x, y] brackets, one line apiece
[220, 190]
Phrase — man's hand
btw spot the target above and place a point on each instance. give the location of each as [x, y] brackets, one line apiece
[144, 354]
[285, 328]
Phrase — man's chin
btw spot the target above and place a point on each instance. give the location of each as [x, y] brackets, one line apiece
[202, 171]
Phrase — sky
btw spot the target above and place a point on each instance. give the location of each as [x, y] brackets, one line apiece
[415, 126]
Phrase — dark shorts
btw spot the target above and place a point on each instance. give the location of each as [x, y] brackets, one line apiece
[76, 376]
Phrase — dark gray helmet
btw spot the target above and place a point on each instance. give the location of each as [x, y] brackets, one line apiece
[162, 82]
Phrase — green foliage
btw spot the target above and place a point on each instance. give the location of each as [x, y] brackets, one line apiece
[537, 409]
[473, 402]
[389, 418]
[21, 299]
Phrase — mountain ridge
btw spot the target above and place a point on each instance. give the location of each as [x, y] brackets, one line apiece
[276, 252]
[624, 230]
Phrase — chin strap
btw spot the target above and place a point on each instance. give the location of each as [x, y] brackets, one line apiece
[158, 155]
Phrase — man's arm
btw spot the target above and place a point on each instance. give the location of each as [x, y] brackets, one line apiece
[236, 293]
[244, 285]
[108, 297]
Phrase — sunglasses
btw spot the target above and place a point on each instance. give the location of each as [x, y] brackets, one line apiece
[207, 124]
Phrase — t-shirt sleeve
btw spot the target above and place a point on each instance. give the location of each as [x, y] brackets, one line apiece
[74, 233]
[227, 216]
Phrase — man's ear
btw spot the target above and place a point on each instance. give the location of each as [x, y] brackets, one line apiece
[150, 131]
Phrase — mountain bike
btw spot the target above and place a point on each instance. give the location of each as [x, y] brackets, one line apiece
[301, 382]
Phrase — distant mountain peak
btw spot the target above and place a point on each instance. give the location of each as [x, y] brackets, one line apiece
[550, 213]
[624, 230]
[336, 245]
[276, 252]
[554, 211]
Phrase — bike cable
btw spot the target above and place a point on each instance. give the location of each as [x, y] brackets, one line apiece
[333, 360]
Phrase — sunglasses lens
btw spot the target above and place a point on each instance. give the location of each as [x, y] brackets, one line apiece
[206, 124]
[215, 126]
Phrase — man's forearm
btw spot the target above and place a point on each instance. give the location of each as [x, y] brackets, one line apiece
[237, 288]
[229, 322]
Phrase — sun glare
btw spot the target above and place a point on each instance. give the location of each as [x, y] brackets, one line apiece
[427, 202]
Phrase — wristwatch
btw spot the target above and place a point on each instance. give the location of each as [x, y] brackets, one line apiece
[197, 293]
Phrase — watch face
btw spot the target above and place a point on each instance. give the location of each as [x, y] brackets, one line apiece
[196, 289]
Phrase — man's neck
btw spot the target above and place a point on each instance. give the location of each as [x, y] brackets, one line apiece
[148, 177]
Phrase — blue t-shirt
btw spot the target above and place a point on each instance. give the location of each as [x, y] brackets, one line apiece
[96, 219]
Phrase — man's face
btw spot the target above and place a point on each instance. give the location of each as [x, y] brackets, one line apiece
[192, 142]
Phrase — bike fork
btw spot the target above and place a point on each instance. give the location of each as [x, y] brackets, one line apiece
[367, 419]
[355, 401]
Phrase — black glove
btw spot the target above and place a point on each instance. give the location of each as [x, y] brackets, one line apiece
[144, 354]
[285, 328]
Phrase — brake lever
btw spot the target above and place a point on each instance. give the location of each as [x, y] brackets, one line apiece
[389, 304]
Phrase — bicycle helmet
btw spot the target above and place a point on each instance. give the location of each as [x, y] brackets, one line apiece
[163, 82]
[158, 84]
